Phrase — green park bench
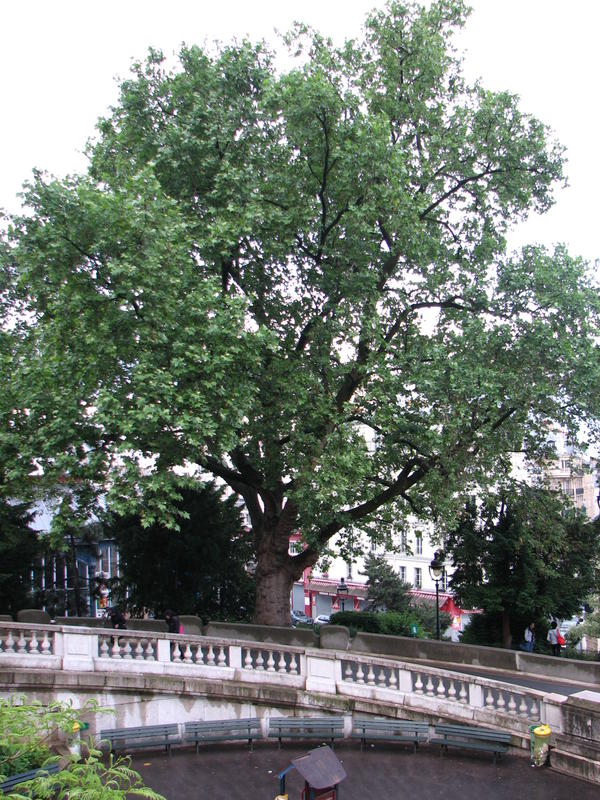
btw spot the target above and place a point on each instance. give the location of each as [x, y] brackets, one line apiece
[144, 736]
[221, 730]
[470, 738]
[9, 783]
[403, 731]
[321, 729]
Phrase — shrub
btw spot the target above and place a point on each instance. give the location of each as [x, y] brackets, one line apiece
[27, 731]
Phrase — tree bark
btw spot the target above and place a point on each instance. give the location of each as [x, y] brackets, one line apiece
[276, 569]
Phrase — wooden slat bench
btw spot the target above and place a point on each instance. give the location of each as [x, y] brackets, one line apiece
[142, 737]
[319, 728]
[404, 731]
[7, 785]
[221, 730]
[471, 738]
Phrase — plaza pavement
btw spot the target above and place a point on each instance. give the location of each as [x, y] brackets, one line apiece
[381, 772]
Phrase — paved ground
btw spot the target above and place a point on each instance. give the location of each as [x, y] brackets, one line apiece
[383, 772]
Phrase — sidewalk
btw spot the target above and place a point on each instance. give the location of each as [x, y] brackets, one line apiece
[383, 772]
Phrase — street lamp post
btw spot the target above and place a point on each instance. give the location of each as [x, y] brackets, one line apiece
[436, 570]
[342, 592]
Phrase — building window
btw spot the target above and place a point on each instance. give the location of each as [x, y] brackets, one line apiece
[418, 577]
[402, 573]
[419, 545]
[403, 542]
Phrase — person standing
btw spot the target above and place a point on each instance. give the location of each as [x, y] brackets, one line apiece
[172, 621]
[553, 638]
[529, 637]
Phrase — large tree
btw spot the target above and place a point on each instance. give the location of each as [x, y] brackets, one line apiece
[523, 555]
[298, 283]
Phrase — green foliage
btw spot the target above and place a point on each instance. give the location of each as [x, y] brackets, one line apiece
[366, 621]
[28, 732]
[394, 623]
[386, 590]
[425, 614]
[18, 548]
[199, 569]
[257, 268]
[523, 556]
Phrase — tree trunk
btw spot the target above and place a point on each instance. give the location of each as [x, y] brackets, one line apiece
[273, 587]
[276, 570]
[506, 634]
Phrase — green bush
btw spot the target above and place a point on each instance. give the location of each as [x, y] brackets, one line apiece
[390, 623]
[26, 732]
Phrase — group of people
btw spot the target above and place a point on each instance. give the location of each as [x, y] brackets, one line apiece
[118, 620]
[554, 638]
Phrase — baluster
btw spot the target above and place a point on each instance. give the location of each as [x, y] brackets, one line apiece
[149, 653]
[523, 707]
[452, 691]
[512, 706]
[281, 666]
[371, 676]
[187, 656]
[293, 664]
[248, 659]
[175, 652]
[489, 699]
[441, 689]
[382, 680]
[33, 643]
[210, 656]
[104, 647]
[139, 651]
[116, 648]
[360, 675]
[127, 649]
[10, 643]
[22, 643]
[348, 673]
[270, 662]
[393, 682]
[46, 646]
[500, 703]
[429, 687]
[260, 662]
[535, 710]
[418, 685]
[222, 658]
[463, 695]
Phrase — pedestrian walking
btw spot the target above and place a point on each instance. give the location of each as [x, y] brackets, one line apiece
[553, 638]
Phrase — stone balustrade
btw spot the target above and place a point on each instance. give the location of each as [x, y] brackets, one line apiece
[246, 675]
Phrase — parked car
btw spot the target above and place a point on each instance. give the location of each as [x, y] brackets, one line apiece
[299, 618]
[322, 619]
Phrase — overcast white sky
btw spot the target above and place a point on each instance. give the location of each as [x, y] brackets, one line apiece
[59, 60]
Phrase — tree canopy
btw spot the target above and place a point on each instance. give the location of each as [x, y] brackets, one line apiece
[200, 569]
[523, 555]
[297, 283]
[386, 591]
